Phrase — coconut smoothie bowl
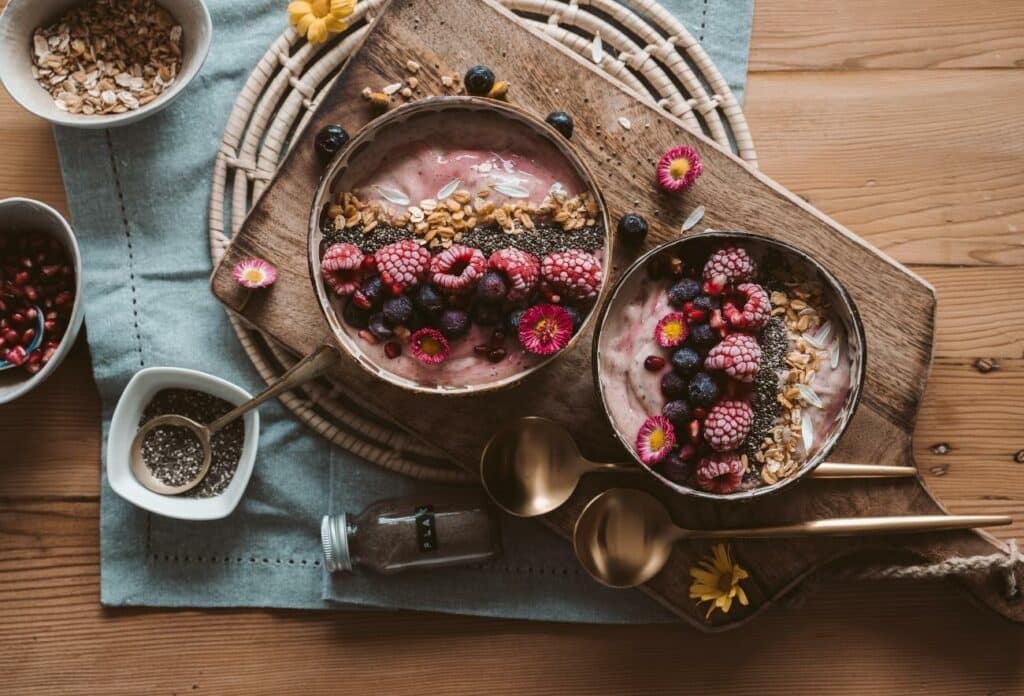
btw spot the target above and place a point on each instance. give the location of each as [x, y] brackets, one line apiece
[457, 245]
[729, 364]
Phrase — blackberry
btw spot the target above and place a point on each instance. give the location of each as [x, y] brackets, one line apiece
[373, 290]
[682, 292]
[378, 326]
[429, 299]
[702, 337]
[632, 228]
[561, 122]
[328, 141]
[492, 287]
[398, 310]
[454, 323]
[678, 412]
[703, 390]
[486, 314]
[576, 316]
[686, 361]
[512, 320]
[355, 317]
[673, 386]
[676, 469]
[478, 80]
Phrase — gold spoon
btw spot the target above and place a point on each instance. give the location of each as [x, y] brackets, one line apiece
[624, 537]
[310, 367]
[532, 466]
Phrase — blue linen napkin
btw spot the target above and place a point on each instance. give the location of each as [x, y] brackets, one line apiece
[138, 197]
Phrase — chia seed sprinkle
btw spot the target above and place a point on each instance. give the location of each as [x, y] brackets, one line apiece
[764, 398]
[174, 455]
[378, 238]
[544, 240]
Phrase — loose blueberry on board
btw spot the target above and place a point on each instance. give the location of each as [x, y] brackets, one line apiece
[561, 122]
[479, 80]
[632, 229]
[328, 141]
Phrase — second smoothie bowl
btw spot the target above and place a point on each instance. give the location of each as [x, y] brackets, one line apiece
[729, 364]
[457, 245]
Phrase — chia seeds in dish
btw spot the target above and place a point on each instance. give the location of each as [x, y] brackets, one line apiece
[368, 242]
[174, 455]
[765, 391]
[540, 242]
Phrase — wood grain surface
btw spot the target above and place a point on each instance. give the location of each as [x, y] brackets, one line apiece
[887, 637]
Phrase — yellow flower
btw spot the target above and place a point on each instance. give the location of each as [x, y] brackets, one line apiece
[318, 19]
[716, 579]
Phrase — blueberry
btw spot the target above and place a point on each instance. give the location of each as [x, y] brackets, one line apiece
[686, 361]
[398, 310]
[328, 141]
[561, 122]
[676, 469]
[512, 320]
[355, 317]
[706, 303]
[702, 337]
[678, 412]
[492, 287]
[703, 390]
[429, 299]
[479, 80]
[373, 290]
[577, 318]
[673, 386]
[682, 292]
[632, 228]
[454, 323]
[378, 326]
[486, 314]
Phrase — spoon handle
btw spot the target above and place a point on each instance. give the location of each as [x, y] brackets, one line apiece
[310, 367]
[830, 470]
[850, 526]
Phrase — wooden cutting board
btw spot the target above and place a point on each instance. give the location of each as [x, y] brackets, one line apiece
[898, 307]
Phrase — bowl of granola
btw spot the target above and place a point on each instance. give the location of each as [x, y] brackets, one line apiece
[101, 63]
[456, 245]
[729, 364]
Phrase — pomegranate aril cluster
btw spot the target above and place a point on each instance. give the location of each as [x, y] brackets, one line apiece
[37, 291]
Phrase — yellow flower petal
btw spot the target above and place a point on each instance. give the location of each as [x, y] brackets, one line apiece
[297, 10]
[342, 8]
[335, 24]
[303, 25]
[317, 32]
[742, 596]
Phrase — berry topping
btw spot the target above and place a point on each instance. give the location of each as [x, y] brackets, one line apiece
[754, 311]
[703, 337]
[429, 346]
[341, 268]
[521, 268]
[354, 316]
[738, 355]
[678, 413]
[457, 268]
[403, 264]
[655, 439]
[492, 287]
[671, 331]
[682, 292]
[454, 323]
[371, 292]
[675, 468]
[392, 349]
[703, 390]
[686, 361]
[378, 326]
[673, 386]
[632, 229]
[513, 319]
[678, 168]
[728, 266]
[254, 273]
[720, 473]
[328, 141]
[577, 318]
[398, 310]
[574, 275]
[545, 329]
[728, 424]
[561, 122]
[653, 363]
[486, 314]
[478, 80]
[428, 299]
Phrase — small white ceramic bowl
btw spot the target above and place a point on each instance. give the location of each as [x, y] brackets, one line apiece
[125, 422]
[21, 18]
[26, 214]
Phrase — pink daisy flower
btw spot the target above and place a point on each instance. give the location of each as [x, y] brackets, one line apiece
[678, 168]
[254, 273]
[545, 329]
[655, 440]
[429, 346]
[672, 330]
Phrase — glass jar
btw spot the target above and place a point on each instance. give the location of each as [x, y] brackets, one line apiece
[398, 534]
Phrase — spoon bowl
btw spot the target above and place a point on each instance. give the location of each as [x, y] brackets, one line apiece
[146, 476]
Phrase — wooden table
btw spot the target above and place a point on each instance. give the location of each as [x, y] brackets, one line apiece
[902, 121]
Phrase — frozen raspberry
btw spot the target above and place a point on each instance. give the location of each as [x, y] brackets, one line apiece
[403, 264]
[755, 310]
[720, 473]
[341, 268]
[727, 424]
[457, 268]
[738, 355]
[728, 266]
[574, 275]
[520, 267]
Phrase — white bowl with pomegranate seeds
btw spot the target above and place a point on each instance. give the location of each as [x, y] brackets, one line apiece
[40, 288]
[456, 245]
[729, 364]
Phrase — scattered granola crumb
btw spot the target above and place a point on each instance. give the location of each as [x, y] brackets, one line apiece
[412, 66]
[499, 90]
[413, 82]
[406, 92]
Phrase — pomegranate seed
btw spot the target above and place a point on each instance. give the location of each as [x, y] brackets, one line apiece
[396, 289]
[34, 358]
[62, 299]
[31, 313]
[392, 349]
[687, 452]
[18, 318]
[653, 363]
[48, 353]
[16, 355]
[695, 431]
[497, 355]
[25, 262]
[52, 314]
[482, 349]
[31, 294]
[27, 336]
[367, 336]
[699, 413]
[49, 326]
[20, 278]
[33, 368]
[51, 270]
[360, 300]
[369, 263]
[11, 336]
[497, 339]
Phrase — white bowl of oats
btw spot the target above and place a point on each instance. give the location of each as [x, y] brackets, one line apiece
[101, 63]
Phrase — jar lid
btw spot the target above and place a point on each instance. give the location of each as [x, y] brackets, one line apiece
[334, 538]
